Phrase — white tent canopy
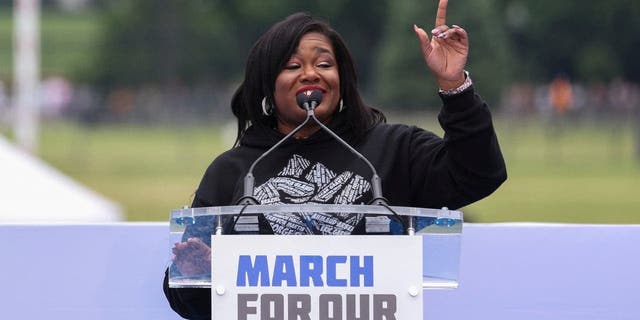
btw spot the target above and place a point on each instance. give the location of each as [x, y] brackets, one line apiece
[32, 191]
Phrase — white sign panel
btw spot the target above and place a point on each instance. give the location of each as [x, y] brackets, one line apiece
[277, 277]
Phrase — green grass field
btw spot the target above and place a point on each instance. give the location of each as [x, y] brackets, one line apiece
[587, 174]
[148, 170]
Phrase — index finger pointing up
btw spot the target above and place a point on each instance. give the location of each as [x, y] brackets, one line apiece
[441, 15]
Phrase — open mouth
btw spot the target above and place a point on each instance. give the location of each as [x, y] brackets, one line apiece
[311, 88]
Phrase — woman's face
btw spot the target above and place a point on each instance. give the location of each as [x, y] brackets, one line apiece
[312, 66]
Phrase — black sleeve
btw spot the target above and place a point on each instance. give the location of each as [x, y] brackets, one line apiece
[216, 188]
[189, 303]
[463, 167]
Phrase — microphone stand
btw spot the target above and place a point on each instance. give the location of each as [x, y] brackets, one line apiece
[376, 182]
[309, 101]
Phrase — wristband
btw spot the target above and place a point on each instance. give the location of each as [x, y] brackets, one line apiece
[464, 86]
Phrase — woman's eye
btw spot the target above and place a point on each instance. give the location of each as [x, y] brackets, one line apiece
[325, 65]
[292, 66]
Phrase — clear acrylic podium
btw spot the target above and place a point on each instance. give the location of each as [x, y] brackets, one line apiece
[440, 229]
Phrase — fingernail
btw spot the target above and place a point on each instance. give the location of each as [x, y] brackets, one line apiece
[435, 31]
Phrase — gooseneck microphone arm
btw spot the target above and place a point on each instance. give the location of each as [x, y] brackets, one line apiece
[376, 182]
[309, 103]
[249, 179]
[309, 100]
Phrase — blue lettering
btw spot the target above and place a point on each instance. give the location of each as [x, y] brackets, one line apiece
[284, 271]
[311, 268]
[365, 271]
[315, 270]
[332, 280]
[252, 271]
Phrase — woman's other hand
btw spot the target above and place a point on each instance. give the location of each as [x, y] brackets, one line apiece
[192, 257]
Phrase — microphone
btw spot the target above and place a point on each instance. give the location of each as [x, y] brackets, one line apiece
[309, 99]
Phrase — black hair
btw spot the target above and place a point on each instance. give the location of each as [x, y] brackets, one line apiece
[267, 59]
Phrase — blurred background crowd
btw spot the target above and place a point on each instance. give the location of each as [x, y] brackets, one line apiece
[124, 80]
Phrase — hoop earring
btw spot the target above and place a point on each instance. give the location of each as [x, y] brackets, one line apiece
[267, 109]
[341, 106]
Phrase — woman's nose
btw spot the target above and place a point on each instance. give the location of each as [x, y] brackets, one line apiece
[309, 74]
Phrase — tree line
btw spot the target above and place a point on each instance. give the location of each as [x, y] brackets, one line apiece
[169, 42]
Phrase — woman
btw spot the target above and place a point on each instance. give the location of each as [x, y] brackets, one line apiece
[417, 168]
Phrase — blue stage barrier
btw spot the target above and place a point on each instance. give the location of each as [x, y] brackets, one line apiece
[508, 271]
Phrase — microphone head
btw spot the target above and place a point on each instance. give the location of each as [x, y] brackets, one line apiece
[309, 99]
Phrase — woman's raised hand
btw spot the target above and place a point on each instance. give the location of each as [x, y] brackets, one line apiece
[446, 52]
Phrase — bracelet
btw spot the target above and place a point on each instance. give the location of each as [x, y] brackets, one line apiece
[464, 86]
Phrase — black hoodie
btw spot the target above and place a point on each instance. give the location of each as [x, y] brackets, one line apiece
[417, 168]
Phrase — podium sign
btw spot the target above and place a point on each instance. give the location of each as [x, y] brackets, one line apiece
[316, 277]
